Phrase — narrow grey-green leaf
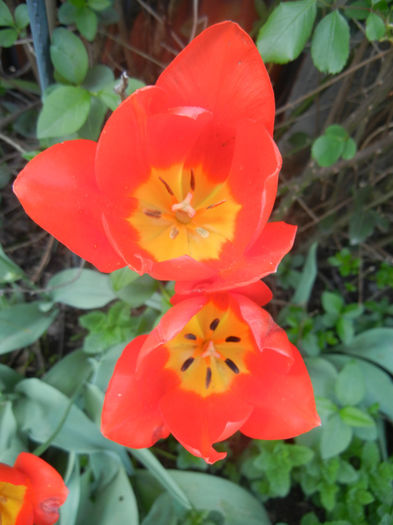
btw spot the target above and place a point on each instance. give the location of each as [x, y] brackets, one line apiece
[374, 345]
[307, 278]
[22, 324]
[283, 36]
[69, 55]
[9, 271]
[65, 111]
[330, 43]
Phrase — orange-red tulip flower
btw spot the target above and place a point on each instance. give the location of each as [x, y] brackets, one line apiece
[31, 492]
[215, 364]
[183, 178]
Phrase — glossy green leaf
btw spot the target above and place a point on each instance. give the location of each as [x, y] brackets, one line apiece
[5, 15]
[65, 110]
[21, 16]
[350, 386]
[355, 417]
[335, 437]
[69, 55]
[350, 149]
[22, 324]
[327, 149]
[81, 288]
[86, 23]
[330, 43]
[283, 36]
[375, 27]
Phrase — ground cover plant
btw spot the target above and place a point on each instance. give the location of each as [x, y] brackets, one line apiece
[64, 324]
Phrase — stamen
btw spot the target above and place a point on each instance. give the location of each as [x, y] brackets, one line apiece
[174, 233]
[232, 366]
[187, 363]
[185, 206]
[214, 324]
[233, 339]
[190, 336]
[202, 232]
[168, 188]
[192, 180]
[208, 377]
[215, 205]
[156, 214]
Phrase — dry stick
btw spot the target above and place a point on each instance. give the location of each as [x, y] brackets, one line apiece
[195, 9]
[133, 49]
[332, 81]
[12, 143]
[123, 34]
[44, 260]
[161, 22]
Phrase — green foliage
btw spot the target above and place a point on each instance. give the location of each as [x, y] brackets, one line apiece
[14, 25]
[332, 145]
[330, 43]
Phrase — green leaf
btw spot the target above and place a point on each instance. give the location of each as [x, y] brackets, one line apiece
[374, 345]
[5, 15]
[41, 411]
[326, 150]
[350, 387]
[67, 13]
[345, 330]
[123, 277]
[350, 149]
[361, 224]
[69, 510]
[307, 277]
[335, 437]
[9, 271]
[162, 512]
[300, 455]
[375, 27]
[358, 10]
[355, 417]
[65, 111]
[8, 378]
[69, 373]
[69, 55]
[330, 43]
[213, 493]
[99, 77]
[98, 5]
[8, 37]
[86, 22]
[22, 324]
[81, 288]
[323, 376]
[91, 129]
[337, 131]
[21, 16]
[347, 473]
[332, 303]
[283, 37]
[136, 293]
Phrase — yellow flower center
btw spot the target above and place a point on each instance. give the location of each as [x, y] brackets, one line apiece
[181, 212]
[210, 351]
[11, 501]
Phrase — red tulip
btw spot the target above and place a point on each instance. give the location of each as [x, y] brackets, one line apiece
[31, 492]
[213, 365]
[183, 178]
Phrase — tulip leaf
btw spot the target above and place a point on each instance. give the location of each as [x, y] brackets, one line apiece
[8, 378]
[68, 511]
[65, 110]
[69, 373]
[335, 437]
[69, 55]
[330, 43]
[22, 324]
[374, 345]
[9, 271]
[350, 386]
[283, 37]
[81, 288]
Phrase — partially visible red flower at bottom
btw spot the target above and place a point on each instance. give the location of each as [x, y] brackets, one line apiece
[31, 492]
[215, 364]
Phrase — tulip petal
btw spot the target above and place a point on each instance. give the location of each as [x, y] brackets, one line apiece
[221, 70]
[198, 422]
[15, 496]
[59, 192]
[284, 400]
[48, 490]
[131, 415]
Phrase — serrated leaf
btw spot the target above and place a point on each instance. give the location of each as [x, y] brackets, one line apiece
[330, 43]
[21, 16]
[335, 437]
[375, 27]
[86, 22]
[69, 55]
[5, 15]
[355, 417]
[283, 36]
[64, 112]
[81, 288]
[350, 386]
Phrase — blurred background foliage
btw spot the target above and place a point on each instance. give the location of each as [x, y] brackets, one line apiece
[63, 325]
